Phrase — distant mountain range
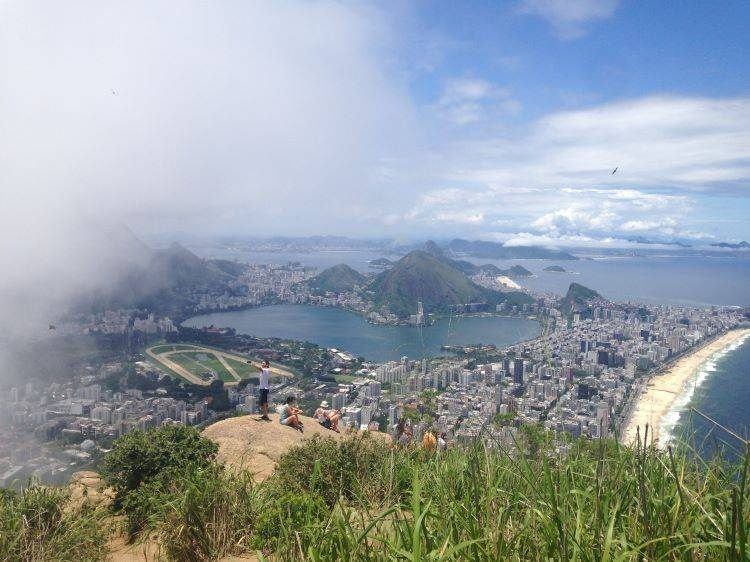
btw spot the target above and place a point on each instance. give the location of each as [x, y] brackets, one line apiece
[425, 275]
[740, 246]
[468, 268]
[456, 247]
[435, 282]
[498, 251]
[166, 281]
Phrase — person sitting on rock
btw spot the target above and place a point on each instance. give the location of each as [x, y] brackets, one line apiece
[328, 418]
[289, 414]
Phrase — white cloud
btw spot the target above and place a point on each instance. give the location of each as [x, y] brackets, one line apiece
[556, 176]
[570, 17]
[471, 100]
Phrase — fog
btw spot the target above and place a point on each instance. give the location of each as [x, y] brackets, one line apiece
[230, 117]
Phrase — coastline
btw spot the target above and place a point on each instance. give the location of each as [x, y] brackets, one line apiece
[664, 390]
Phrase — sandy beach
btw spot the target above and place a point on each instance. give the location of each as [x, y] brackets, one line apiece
[663, 389]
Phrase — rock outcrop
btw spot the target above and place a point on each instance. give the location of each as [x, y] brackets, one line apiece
[248, 443]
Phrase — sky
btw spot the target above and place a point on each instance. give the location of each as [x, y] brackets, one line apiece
[490, 120]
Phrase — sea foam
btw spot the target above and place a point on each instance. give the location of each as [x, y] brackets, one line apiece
[671, 419]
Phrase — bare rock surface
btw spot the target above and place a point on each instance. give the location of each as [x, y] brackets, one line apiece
[249, 443]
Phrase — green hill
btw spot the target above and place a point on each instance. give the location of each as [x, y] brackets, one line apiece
[578, 296]
[337, 279]
[165, 281]
[555, 269]
[422, 276]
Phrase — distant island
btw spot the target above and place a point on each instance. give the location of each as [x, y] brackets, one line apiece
[555, 269]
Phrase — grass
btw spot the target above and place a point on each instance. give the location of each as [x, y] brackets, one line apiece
[198, 362]
[171, 347]
[189, 358]
[362, 499]
[243, 369]
[40, 523]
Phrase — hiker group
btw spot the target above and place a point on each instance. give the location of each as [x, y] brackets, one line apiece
[289, 413]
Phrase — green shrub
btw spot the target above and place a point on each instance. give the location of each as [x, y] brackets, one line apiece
[39, 524]
[139, 458]
[144, 468]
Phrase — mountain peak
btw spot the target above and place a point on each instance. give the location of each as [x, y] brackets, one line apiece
[337, 279]
[578, 295]
[433, 249]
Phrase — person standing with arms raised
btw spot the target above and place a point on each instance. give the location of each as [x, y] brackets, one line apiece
[263, 389]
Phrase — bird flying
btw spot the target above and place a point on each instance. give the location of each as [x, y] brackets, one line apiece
[613, 171]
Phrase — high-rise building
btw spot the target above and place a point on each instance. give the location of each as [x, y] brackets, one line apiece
[375, 389]
[518, 371]
[338, 400]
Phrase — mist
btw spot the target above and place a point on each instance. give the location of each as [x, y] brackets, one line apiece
[231, 117]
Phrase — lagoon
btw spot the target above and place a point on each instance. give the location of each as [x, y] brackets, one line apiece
[333, 327]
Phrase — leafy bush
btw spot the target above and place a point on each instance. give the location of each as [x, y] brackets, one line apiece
[289, 518]
[39, 524]
[143, 467]
[139, 458]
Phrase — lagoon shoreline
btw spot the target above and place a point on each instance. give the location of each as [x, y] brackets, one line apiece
[663, 389]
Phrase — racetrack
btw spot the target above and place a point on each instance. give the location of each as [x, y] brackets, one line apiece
[163, 355]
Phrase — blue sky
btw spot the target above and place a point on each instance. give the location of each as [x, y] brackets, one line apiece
[668, 76]
[493, 120]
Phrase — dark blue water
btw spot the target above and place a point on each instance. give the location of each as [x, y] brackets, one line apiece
[332, 327]
[723, 394]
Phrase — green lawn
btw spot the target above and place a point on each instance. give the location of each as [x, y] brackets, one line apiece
[198, 362]
[167, 347]
[244, 370]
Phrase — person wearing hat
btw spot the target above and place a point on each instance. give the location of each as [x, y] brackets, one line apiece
[326, 417]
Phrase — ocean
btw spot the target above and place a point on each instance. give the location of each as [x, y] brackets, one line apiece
[720, 389]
